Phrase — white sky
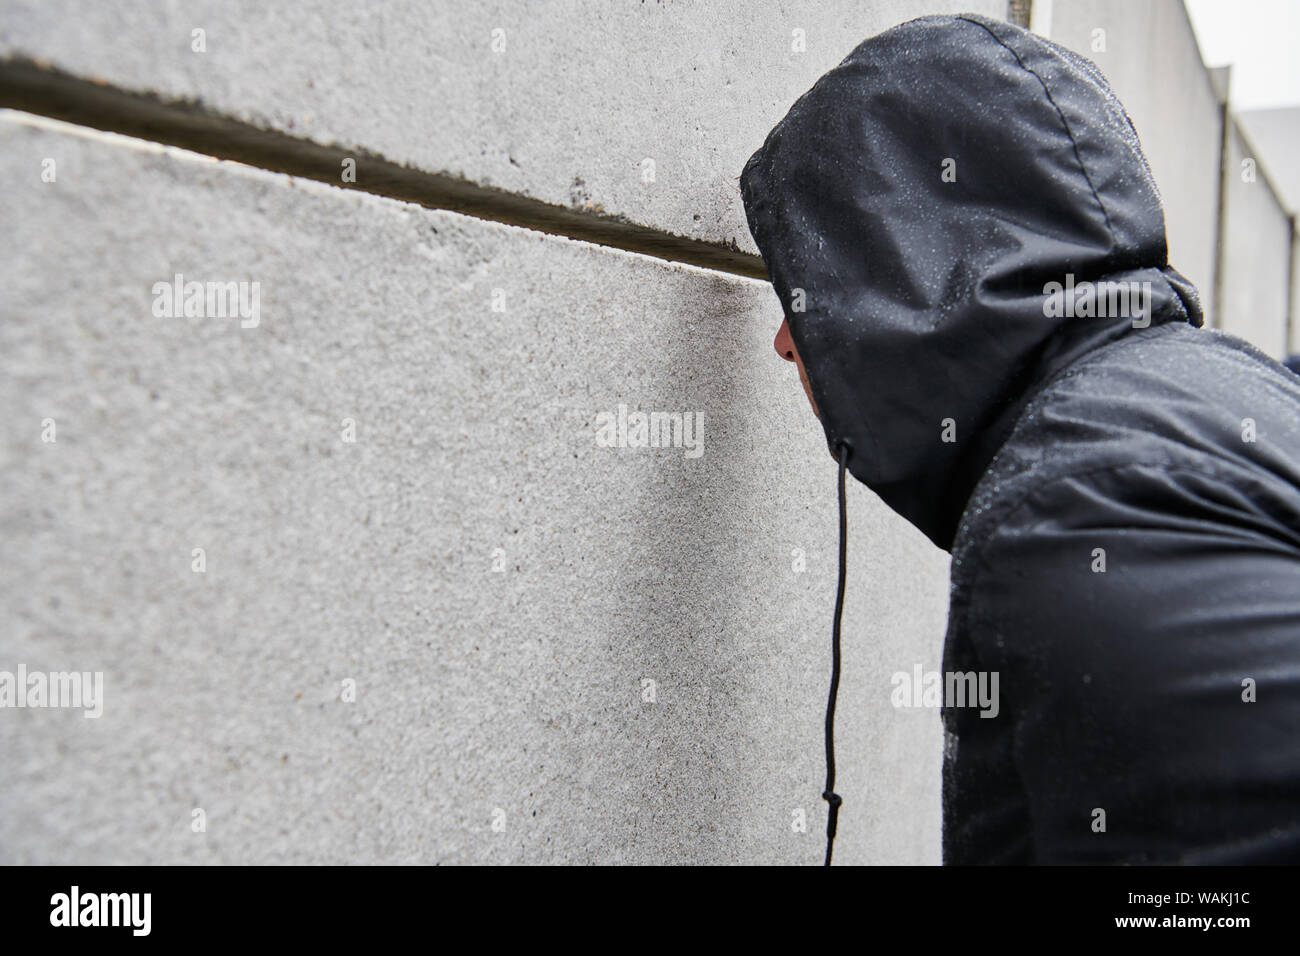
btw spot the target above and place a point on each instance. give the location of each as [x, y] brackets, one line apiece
[1259, 38]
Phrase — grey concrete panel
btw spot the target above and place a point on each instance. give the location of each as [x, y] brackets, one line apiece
[1257, 252]
[519, 690]
[1276, 134]
[646, 111]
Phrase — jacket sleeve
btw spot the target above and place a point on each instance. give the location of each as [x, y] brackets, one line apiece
[1145, 621]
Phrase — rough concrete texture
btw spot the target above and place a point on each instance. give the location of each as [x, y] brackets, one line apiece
[1173, 106]
[1276, 135]
[566, 103]
[1293, 332]
[1256, 272]
[515, 695]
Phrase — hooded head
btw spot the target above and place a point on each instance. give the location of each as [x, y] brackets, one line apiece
[918, 210]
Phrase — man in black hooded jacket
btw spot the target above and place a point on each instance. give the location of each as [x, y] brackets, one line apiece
[970, 251]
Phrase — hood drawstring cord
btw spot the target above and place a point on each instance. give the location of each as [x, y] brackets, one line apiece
[829, 794]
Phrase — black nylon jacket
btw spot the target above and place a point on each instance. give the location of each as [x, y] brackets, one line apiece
[1120, 492]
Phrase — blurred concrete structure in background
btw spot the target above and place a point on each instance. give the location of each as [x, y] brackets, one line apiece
[1276, 134]
[1229, 224]
[436, 619]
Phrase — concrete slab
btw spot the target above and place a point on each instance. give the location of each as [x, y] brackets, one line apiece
[647, 111]
[1275, 134]
[494, 586]
[1257, 252]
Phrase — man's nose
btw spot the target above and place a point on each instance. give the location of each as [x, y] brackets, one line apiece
[783, 343]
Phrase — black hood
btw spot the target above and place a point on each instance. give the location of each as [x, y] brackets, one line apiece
[912, 207]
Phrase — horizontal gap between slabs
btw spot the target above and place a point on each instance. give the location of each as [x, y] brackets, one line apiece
[36, 88]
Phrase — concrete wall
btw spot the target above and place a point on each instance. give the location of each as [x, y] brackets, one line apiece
[1276, 134]
[1293, 330]
[570, 101]
[1256, 278]
[519, 690]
